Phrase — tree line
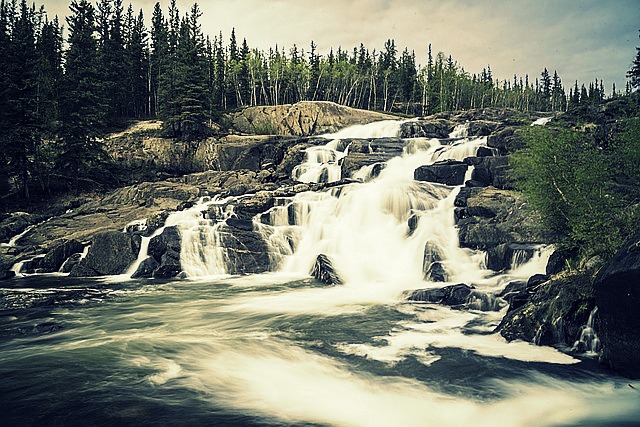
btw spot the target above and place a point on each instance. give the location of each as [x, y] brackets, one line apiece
[60, 93]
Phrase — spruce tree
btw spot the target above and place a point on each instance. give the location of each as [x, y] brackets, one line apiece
[634, 73]
[81, 113]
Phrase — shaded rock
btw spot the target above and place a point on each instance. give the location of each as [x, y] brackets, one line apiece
[436, 272]
[240, 224]
[70, 262]
[165, 250]
[617, 293]
[559, 259]
[506, 141]
[245, 250]
[491, 171]
[14, 224]
[448, 172]
[512, 291]
[147, 268]
[449, 295]
[54, 259]
[110, 253]
[32, 265]
[505, 218]
[426, 128]
[7, 274]
[323, 271]
[482, 127]
[553, 312]
[536, 279]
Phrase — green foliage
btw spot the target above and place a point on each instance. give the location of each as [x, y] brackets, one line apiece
[568, 179]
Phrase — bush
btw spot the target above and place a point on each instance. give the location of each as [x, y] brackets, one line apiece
[568, 179]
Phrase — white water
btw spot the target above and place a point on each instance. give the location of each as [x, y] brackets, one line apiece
[541, 121]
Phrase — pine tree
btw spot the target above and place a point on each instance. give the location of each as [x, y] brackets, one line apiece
[634, 73]
[81, 113]
[158, 56]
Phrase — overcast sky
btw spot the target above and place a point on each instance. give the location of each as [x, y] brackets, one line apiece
[581, 39]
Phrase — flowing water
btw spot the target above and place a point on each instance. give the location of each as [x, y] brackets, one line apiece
[283, 349]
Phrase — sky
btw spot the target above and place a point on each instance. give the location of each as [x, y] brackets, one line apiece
[581, 39]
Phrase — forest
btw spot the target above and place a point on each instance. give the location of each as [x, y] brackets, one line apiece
[63, 86]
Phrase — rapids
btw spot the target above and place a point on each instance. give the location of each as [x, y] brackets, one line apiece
[280, 348]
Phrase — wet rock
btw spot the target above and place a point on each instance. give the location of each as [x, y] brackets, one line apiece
[240, 224]
[536, 280]
[448, 295]
[110, 253]
[513, 290]
[491, 171]
[13, 224]
[617, 292]
[70, 262]
[165, 250]
[32, 265]
[448, 172]
[426, 128]
[147, 268]
[323, 271]
[57, 256]
[510, 220]
[245, 251]
[553, 312]
[7, 274]
[506, 141]
[482, 127]
[559, 259]
[436, 272]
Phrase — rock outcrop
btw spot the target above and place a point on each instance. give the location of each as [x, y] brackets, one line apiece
[302, 119]
[449, 295]
[617, 295]
[111, 252]
[323, 271]
[448, 172]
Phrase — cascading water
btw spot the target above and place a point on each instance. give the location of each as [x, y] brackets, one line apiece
[280, 349]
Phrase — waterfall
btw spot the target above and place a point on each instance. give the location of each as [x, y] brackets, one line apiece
[588, 342]
[363, 227]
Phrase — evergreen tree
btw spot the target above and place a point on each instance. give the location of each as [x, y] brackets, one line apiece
[158, 55]
[81, 114]
[634, 73]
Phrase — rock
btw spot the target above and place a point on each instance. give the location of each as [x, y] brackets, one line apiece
[552, 313]
[507, 256]
[147, 268]
[482, 127]
[504, 219]
[32, 265]
[513, 290]
[245, 250]
[302, 118]
[436, 272]
[559, 259]
[617, 293]
[449, 295]
[70, 262]
[240, 224]
[165, 250]
[536, 280]
[448, 172]
[14, 224]
[110, 253]
[491, 171]
[323, 271]
[7, 274]
[426, 128]
[506, 141]
[56, 257]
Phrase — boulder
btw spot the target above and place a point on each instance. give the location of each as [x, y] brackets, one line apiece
[448, 172]
[165, 250]
[491, 171]
[14, 224]
[482, 127]
[559, 259]
[504, 218]
[551, 313]
[70, 262]
[448, 295]
[436, 272]
[506, 141]
[426, 128]
[323, 271]
[110, 253]
[147, 268]
[617, 294]
[245, 250]
[7, 274]
[56, 257]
